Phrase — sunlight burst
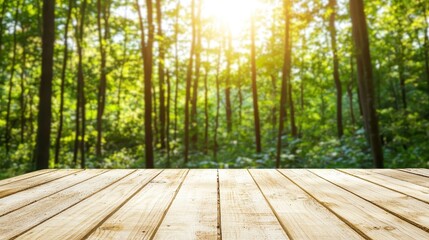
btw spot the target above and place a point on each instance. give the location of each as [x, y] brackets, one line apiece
[231, 14]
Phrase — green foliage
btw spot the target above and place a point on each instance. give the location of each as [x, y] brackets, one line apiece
[396, 32]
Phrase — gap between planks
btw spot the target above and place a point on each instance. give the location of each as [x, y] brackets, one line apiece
[391, 201]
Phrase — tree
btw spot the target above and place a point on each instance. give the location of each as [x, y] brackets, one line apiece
[176, 65]
[12, 72]
[161, 75]
[194, 112]
[188, 84]
[365, 78]
[255, 88]
[426, 40]
[332, 7]
[45, 92]
[103, 35]
[285, 79]
[228, 108]
[62, 87]
[147, 55]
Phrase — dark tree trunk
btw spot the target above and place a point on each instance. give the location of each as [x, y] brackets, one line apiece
[176, 66]
[102, 13]
[206, 104]
[194, 113]
[350, 92]
[426, 42]
[215, 145]
[80, 105]
[285, 79]
[147, 55]
[257, 124]
[333, 9]
[62, 87]
[168, 120]
[228, 107]
[161, 75]
[363, 58]
[274, 108]
[22, 95]
[3, 13]
[188, 85]
[45, 94]
[12, 73]
[154, 115]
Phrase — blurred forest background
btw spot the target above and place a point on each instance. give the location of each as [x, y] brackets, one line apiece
[214, 83]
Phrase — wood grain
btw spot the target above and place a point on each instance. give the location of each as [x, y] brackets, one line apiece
[20, 199]
[360, 214]
[23, 219]
[78, 220]
[25, 176]
[17, 186]
[193, 213]
[245, 213]
[140, 216]
[417, 171]
[216, 204]
[302, 215]
[404, 176]
[408, 208]
[416, 191]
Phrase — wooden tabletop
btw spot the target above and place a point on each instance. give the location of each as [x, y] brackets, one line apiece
[216, 204]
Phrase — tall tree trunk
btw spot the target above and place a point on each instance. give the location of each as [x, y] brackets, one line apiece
[188, 85]
[333, 10]
[80, 105]
[285, 79]
[257, 124]
[350, 92]
[168, 120]
[12, 73]
[194, 113]
[274, 108]
[215, 145]
[161, 75]
[45, 94]
[102, 13]
[154, 115]
[363, 59]
[3, 13]
[228, 84]
[176, 66]
[147, 55]
[206, 103]
[426, 41]
[121, 73]
[22, 95]
[62, 87]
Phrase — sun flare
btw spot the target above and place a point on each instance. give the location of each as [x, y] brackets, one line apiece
[231, 14]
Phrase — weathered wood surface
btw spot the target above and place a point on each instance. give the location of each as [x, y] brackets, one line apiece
[216, 204]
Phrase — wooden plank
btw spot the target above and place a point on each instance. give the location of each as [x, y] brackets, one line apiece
[404, 176]
[244, 212]
[17, 186]
[410, 209]
[360, 214]
[23, 198]
[25, 176]
[31, 215]
[77, 221]
[193, 213]
[416, 191]
[302, 216]
[418, 171]
[141, 215]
